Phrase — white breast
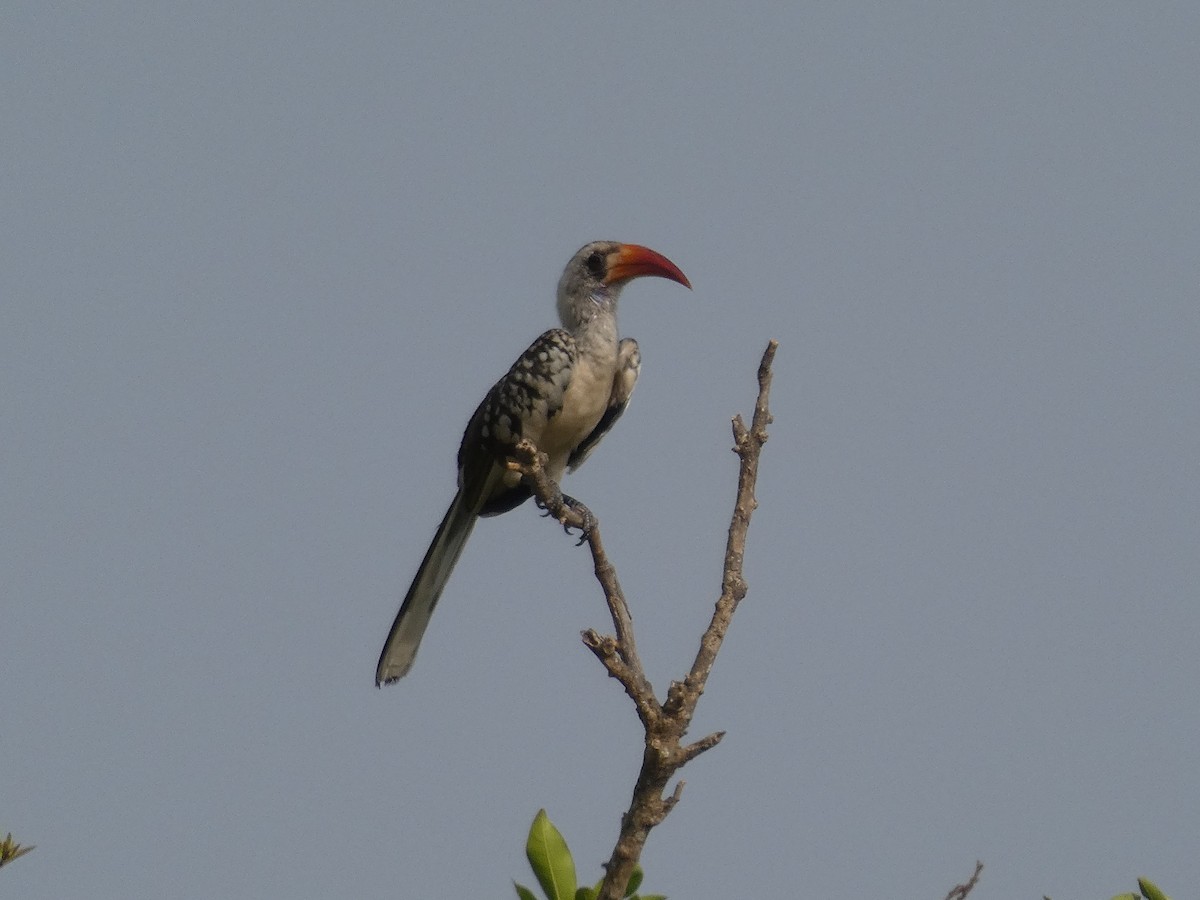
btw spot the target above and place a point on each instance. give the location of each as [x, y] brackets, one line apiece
[584, 402]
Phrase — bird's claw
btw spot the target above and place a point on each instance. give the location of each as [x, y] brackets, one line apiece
[588, 520]
[563, 502]
[548, 509]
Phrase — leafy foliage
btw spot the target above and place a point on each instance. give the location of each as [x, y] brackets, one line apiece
[1149, 891]
[10, 850]
[554, 868]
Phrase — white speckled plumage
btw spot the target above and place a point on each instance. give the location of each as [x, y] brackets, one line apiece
[563, 393]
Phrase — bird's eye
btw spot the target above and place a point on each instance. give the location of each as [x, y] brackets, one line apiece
[595, 264]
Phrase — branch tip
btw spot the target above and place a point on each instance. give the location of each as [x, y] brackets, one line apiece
[960, 891]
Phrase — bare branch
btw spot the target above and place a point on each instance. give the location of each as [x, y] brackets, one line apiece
[629, 672]
[960, 891]
[748, 446]
[665, 724]
[694, 749]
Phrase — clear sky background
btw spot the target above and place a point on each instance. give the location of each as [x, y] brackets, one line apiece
[260, 262]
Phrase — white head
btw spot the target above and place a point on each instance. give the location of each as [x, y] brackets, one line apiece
[594, 277]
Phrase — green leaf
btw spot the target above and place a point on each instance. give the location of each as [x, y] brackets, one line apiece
[586, 893]
[10, 850]
[1129, 896]
[652, 897]
[523, 892]
[550, 859]
[635, 881]
[1151, 890]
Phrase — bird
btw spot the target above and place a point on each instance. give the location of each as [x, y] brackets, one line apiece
[564, 393]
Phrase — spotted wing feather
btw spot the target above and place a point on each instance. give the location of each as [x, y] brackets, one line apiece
[531, 391]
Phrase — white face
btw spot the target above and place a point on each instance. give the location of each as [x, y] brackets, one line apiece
[582, 291]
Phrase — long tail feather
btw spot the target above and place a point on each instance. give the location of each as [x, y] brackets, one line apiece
[400, 648]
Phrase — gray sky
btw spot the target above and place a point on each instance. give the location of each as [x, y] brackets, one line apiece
[259, 267]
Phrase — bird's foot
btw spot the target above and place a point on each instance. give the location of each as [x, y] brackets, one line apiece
[554, 503]
[564, 508]
[587, 521]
